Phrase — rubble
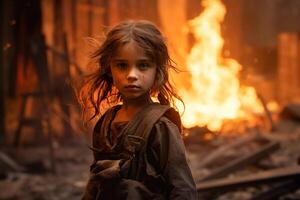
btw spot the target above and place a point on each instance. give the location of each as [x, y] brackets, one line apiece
[227, 167]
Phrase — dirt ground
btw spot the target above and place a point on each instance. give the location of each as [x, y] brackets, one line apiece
[68, 182]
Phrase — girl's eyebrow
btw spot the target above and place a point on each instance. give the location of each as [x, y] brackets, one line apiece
[124, 60]
[119, 60]
[144, 60]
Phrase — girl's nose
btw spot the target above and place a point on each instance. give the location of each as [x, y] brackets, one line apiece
[132, 74]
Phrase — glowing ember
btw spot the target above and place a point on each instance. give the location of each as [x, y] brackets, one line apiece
[215, 93]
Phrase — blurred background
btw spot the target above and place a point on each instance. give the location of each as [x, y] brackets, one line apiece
[240, 61]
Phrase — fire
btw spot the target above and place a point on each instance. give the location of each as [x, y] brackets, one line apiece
[215, 94]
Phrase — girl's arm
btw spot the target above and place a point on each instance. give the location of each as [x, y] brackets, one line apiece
[168, 148]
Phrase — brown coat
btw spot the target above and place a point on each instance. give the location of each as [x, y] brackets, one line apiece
[158, 171]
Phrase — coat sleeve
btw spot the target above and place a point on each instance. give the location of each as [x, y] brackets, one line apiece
[168, 150]
[91, 189]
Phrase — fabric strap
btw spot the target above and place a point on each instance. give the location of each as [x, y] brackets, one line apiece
[139, 128]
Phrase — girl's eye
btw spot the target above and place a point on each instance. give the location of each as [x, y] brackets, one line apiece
[121, 65]
[143, 66]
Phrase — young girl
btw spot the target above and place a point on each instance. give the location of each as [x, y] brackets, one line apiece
[137, 144]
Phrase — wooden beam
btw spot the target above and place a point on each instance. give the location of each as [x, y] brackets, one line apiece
[243, 161]
[8, 164]
[267, 112]
[2, 111]
[278, 190]
[288, 70]
[74, 28]
[210, 158]
[270, 176]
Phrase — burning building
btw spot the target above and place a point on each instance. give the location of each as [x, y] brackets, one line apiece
[239, 62]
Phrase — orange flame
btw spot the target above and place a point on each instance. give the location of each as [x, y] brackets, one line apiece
[215, 93]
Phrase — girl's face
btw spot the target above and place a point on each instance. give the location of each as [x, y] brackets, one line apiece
[133, 72]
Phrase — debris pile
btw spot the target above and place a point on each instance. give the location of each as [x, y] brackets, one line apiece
[255, 164]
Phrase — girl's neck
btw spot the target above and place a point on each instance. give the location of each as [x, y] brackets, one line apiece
[130, 108]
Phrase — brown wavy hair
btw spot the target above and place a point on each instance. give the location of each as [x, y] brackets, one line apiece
[97, 89]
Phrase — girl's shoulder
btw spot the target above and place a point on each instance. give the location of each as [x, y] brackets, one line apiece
[102, 125]
[167, 127]
[171, 117]
[109, 113]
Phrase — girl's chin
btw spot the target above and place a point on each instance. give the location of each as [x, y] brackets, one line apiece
[137, 97]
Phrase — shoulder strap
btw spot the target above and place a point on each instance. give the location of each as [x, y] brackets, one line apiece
[138, 131]
[139, 128]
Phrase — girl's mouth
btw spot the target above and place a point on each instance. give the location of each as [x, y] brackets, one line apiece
[132, 87]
